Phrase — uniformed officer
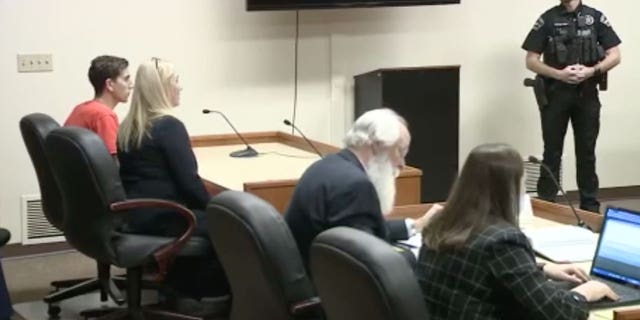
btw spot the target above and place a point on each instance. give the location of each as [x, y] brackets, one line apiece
[579, 46]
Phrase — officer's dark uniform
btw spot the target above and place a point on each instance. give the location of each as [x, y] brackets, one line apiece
[566, 38]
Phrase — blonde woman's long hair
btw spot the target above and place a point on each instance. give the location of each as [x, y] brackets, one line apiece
[150, 100]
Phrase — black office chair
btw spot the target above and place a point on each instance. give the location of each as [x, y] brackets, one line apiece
[95, 205]
[268, 279]
[34, 128]
[361, 277]
[5, 236]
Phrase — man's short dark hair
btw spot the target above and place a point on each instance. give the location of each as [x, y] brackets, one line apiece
[103, 68]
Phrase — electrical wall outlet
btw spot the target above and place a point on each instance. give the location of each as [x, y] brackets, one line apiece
[35, 63]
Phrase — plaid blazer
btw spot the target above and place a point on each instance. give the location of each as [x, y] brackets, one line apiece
[494, 276]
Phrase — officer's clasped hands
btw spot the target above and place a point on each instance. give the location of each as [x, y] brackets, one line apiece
[575, 74]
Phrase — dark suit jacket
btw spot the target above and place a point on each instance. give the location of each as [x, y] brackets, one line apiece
[164, 167]
[336, 191]
[493, 277]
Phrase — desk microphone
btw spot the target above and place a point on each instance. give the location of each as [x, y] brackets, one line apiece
[288, 123]
[245, 153]
[581, 222]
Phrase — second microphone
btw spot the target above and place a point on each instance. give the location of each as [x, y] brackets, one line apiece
[244, 153]
[289, 123]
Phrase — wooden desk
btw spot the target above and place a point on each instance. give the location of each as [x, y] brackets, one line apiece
[274, 173]
[542, 209]
[546, 214]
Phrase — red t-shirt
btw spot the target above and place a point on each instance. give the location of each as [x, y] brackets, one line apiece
[98, 118]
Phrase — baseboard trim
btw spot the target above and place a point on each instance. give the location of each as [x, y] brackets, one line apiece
[612, 193]
[19, 250]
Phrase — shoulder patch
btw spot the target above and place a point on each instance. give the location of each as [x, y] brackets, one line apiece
[605, 21]
[589, 19]
[539, 23]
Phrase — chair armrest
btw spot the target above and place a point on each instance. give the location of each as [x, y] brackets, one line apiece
[165, 254]
[309, 307]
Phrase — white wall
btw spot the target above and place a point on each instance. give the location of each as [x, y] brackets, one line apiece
[484, 37]
[242, 63]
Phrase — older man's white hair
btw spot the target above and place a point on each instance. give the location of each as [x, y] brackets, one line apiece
[378, 126]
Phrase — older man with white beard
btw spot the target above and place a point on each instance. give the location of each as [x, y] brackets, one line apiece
[356, 186]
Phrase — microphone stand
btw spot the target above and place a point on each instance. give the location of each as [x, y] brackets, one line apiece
[289, 123]
[248, 152]
[580, 222]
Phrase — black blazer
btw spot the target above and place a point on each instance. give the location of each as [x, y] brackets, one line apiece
[164, 167]
[493, 277]
[336, 191]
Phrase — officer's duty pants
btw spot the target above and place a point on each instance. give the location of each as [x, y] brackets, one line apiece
[581, 105]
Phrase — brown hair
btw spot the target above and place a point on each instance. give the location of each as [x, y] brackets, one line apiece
[486, 192]
[103, 68]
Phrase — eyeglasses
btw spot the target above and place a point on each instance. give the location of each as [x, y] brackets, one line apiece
[156, 61]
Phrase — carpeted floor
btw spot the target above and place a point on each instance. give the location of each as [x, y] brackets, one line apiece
[28, 278]
[28, 281]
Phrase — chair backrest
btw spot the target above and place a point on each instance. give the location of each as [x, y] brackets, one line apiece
[89, 182]
[259, 256]
[359, 276]
[5, 236]
[34, 128]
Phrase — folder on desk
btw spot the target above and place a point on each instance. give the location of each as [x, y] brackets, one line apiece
[563, 243]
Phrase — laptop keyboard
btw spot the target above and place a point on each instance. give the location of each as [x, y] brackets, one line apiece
[621, 290]
[625, 293]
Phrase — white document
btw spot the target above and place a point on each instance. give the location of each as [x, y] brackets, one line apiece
[414, 243]
[526, 209]
[563, 243]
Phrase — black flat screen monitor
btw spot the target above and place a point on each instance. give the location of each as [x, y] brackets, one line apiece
[257, 5]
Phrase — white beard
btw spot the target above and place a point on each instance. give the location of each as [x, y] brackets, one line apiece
[383, 176]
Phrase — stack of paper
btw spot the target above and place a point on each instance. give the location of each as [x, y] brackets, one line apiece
[563, 243]
[414, 243]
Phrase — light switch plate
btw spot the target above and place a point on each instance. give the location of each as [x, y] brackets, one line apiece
[35, 63]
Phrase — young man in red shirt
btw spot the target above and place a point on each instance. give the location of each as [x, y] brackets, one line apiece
[112, 84]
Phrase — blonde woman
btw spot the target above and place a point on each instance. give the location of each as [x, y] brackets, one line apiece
[156, 161]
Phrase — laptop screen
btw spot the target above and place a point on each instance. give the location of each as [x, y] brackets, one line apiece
[618, 254]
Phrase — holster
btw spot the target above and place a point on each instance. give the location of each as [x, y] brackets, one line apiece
[539, 90]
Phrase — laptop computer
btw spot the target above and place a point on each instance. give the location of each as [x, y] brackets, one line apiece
[616, 261]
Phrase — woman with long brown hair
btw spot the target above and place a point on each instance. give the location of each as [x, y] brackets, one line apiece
[476, 263]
